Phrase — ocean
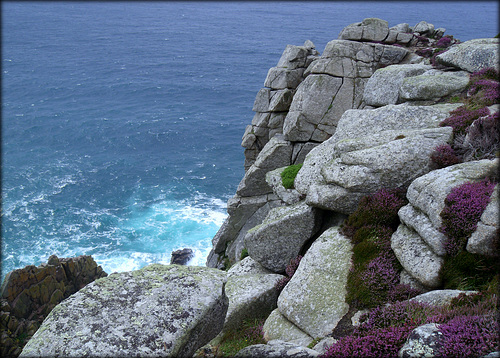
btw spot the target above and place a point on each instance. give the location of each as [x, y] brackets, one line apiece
[122, 121]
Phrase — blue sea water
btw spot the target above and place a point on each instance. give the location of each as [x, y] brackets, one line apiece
[122, 121]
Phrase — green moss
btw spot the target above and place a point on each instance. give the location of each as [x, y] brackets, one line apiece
[313, 343]
[244, 253]
[288, 175]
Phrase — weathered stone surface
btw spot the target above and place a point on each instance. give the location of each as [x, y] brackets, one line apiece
[484, 240]
[323, 345]
[309, 106]
[416, 256]
[370, 29]
[383, 87]
[405, 278]
[281, 78]
[322, 273]
[247, 266]
[182, 256]
[289, 196]
[424, 28]
[439, 297]
[233, 251]
[250, 296]
[277, 153]
[339, 171]
[276, 348]
[281, 235]
[294, 57]
[423, 341]
[473, 55]
[158, 310]
[278, 327]
[424, 87]
[428, 192]
[420, 222]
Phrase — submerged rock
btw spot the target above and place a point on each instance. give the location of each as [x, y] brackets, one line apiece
[156, 311]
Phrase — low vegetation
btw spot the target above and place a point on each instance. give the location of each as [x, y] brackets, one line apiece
[288, 175]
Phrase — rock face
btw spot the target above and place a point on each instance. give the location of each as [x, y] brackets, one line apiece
[29, 294]
[322, 273]
[422, 342]
[281, 236]
[473, 55]
[278, 327]
[158, 310]
[418, 243]
[181, 257]
[352, 164]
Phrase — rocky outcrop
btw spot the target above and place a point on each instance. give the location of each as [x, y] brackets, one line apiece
[364, 115]
[322, 273]
[28, 295]
[182, 256]
[422, 342]
[158, 310]
[281, 235]
[473, 55]
[418, 243]
[353, 163]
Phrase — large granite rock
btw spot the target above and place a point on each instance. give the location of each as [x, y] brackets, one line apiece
[247, 266]
[473, 55]
[424, 87]
[383, 87]
[335, 83]
[250, 296]
[277, 326]
[385, 147]
[428, 192]
[276, 348]
[370, 29]
[418, 243]
[416, 256]
[281, 235]
[272, 102]
[277, 153]
[156, 311]
[322, 275]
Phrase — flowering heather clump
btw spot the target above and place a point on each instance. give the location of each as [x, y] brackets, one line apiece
[485, 92]
[384, 342]
[380, 275]
[290, 271]
[444, 42]
[402, 292]
[485, 74]
[380, 208]
[469, 336]
[462, 117]
[443, 156]
[463, 208]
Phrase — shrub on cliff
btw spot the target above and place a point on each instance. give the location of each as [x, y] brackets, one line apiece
[378, 209]
[374, 275]
[288, 175]
[443, 156]
[462, 117]
[464, 206]
[468, 325]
